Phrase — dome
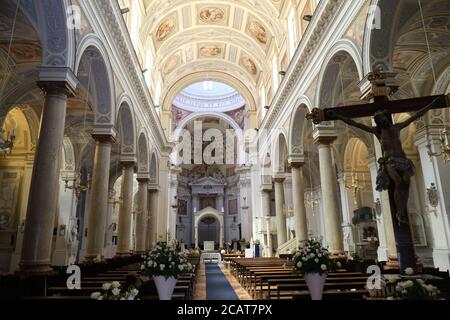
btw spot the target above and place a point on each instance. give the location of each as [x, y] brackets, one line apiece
[209, 96]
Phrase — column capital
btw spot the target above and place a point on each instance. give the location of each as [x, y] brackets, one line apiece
[296, 158]
[297, 164]
[54, 80]
[378, 84]
[142, 178]
[104, 130]
[326, 140]
[127, 163]
[324, 135]
[103, 137]
[278, 178]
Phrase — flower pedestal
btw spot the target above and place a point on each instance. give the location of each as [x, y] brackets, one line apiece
[315, 283]
[165, 287]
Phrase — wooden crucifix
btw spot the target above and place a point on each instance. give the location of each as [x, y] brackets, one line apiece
[395, 169]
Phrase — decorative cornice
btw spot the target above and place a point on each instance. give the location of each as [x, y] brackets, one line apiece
[109, 12]
[326, 11]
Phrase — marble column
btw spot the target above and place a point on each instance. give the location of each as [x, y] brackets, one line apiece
[38, 234]
[382, 224]
[435, 175]
[265, 195]
[107, 251]
[148, 238]
[196, 234]
[98, 209]
[126, 209]
[152, 218]
[347, 214]
[195, 203]
[298, 201]
[219, 203]
[330, 199]
[266, 203]
[281, 219]
[269, 237]
[221, 233]
[141, 215]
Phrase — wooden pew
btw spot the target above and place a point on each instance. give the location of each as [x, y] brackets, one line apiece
[333, 295]
[286, 290]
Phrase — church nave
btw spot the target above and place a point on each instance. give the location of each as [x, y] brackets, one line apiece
[222, 150]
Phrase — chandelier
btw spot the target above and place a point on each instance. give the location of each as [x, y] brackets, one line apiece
[312, 201]
[444, 147]
[355, 186]
[77, 185]
[288, 211]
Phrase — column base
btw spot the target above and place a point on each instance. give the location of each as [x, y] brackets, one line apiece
[35, 269]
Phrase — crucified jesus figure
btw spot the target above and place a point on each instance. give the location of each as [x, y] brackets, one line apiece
[395, 169]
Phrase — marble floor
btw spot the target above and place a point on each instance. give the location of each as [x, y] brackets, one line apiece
[200, 286]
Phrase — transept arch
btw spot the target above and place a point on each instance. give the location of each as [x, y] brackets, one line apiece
[191, 78]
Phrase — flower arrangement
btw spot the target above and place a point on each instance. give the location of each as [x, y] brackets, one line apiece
[113, 291]
[165, 260]
[414, 289]
[312, 258]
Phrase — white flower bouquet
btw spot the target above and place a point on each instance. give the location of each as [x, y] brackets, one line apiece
[165, 260]
[414, 289]
[113, 291]
[311, 257]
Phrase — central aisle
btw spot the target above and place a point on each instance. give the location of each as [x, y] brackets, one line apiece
[217, 285]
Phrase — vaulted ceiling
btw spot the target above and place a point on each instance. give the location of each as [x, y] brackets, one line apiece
[233, 37]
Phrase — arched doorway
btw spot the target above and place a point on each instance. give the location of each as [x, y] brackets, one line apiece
[208, 229]
[209, 226]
